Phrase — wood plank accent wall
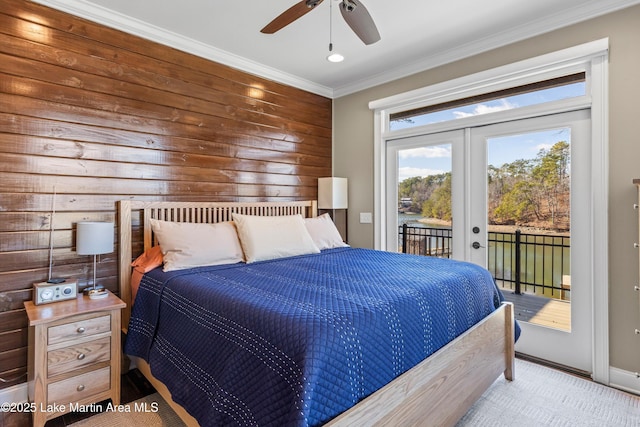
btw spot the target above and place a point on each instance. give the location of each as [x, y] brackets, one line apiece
[100, 116]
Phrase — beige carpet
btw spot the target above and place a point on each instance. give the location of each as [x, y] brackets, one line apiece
[539, 397]
[150, 411]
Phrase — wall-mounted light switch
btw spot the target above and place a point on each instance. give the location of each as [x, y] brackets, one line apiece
[366, 218]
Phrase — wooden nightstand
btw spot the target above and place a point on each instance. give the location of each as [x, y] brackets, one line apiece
[74, 354]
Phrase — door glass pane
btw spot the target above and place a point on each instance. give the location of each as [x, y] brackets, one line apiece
[529, 205]
[424, 200]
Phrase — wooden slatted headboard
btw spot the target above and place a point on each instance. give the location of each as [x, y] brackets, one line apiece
[199, 212]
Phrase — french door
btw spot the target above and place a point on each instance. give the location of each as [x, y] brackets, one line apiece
[478, 155]
[433, 154]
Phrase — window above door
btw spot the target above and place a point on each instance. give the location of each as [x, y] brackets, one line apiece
[565, 87]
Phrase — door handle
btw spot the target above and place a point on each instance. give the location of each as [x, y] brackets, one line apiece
[476, 245]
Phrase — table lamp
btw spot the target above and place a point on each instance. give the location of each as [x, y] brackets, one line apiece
[94, 238]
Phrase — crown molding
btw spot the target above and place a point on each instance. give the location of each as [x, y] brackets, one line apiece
[101, 15]
[136, 27]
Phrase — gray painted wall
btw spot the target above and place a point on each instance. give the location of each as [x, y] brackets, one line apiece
[353, 152]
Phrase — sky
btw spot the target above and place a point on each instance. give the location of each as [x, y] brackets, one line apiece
[431, 160]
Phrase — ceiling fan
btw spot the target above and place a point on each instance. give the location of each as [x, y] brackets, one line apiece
[353, 12]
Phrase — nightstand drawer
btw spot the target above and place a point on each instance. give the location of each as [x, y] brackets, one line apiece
[80, 387]
[81, 328]
[74, 354]
[77, 356]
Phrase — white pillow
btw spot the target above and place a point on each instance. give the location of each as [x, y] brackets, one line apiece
[188, 245]
[271, 237]
[324, 232]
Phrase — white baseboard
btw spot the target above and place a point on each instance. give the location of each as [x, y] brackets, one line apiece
[15, 394]
[624, 380]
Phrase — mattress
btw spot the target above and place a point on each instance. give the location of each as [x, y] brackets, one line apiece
[296, 341]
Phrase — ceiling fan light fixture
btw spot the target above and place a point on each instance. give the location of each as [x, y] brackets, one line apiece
[335, 57]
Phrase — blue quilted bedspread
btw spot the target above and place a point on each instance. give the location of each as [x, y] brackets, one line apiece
[296, 341]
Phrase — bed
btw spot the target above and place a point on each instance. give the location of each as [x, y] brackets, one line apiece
[365, 370]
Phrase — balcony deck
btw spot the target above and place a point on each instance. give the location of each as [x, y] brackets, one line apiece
[542, 311]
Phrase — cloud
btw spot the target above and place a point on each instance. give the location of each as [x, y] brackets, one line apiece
[552, 138]
[545, 147]
[486, 109]
[430, 152]
[410, 172]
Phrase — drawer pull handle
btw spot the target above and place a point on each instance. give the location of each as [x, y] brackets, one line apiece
[80, 387]
[81, 356]
[81, 330]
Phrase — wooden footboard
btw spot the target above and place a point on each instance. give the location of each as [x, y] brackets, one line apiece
[441, 389]
[438, 391]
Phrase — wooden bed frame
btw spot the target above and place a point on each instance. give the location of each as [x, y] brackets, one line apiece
[438, 391]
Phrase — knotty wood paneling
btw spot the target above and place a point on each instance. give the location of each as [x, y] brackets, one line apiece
[99, 116]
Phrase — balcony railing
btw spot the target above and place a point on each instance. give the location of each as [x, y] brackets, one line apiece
[425, 241]
[522, 262]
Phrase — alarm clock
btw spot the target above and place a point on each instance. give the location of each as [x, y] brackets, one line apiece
[45, 292]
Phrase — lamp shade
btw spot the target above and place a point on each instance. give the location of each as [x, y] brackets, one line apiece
[94, 238]
[332, 193]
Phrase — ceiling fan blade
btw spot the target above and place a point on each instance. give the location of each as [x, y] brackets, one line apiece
[358, 18]
[288, 16]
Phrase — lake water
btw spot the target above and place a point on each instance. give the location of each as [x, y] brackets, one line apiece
[413, 221]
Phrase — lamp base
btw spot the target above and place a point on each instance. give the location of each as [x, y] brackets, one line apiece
[91, 288]
[97, 293]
